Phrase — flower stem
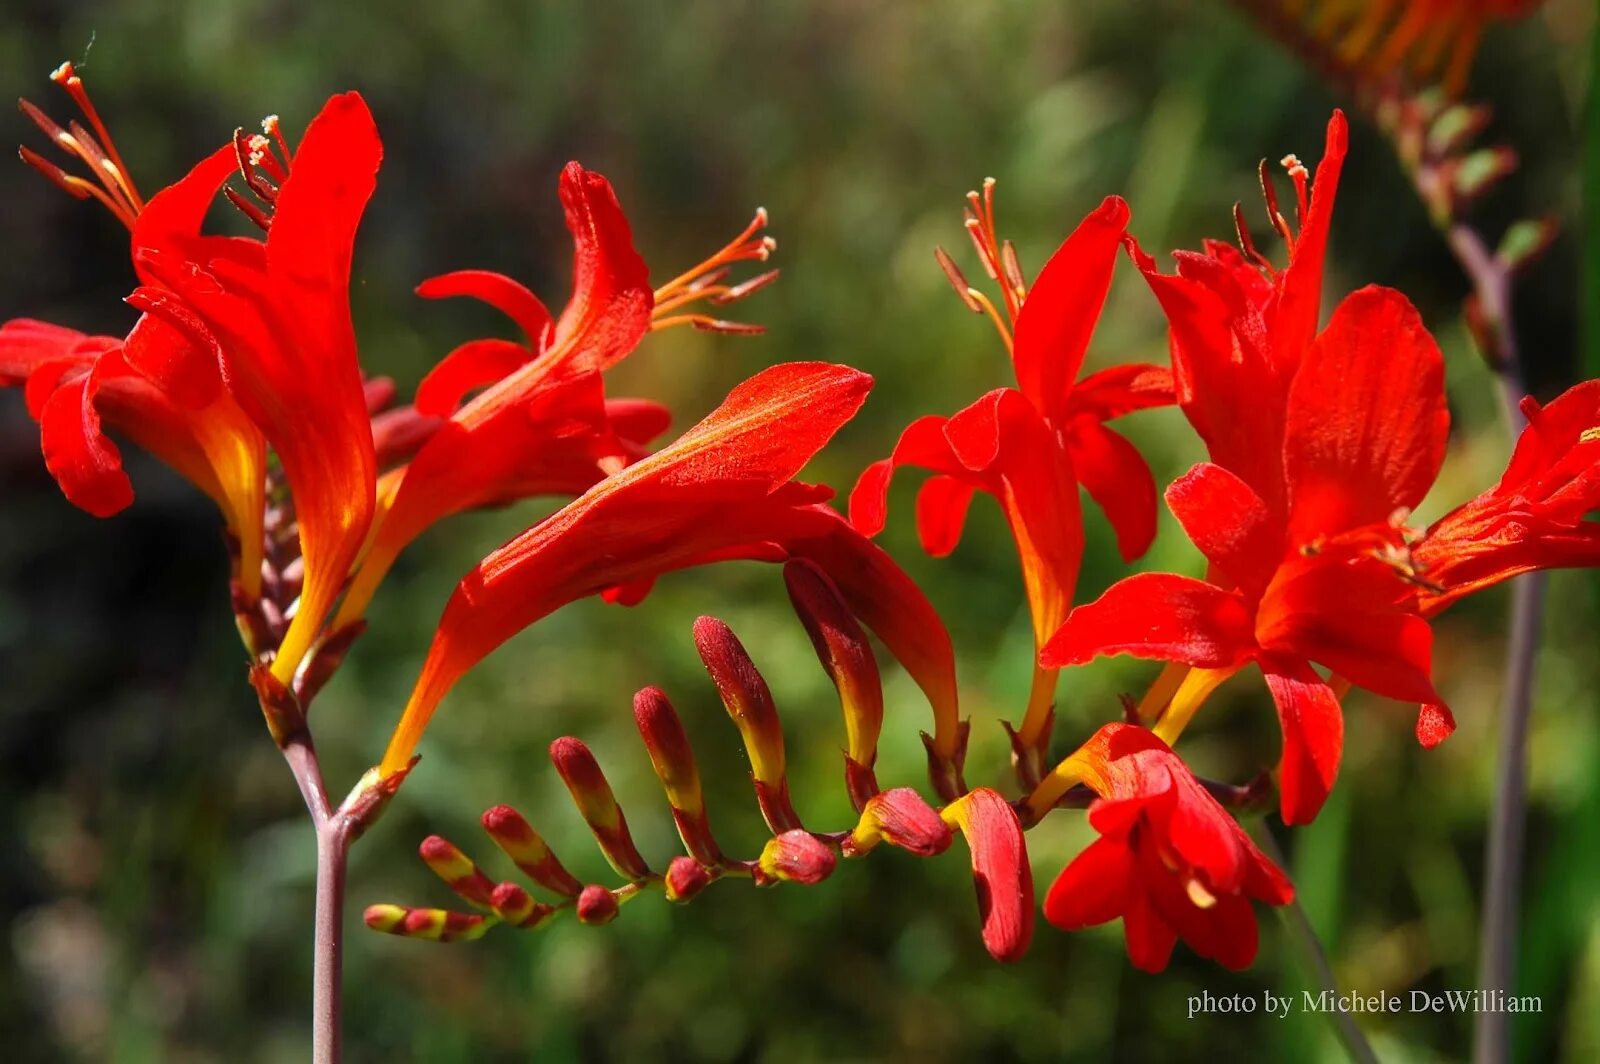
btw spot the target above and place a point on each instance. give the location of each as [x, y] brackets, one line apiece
[334, 837]
[1315, 958]
[333, 851]
[1497, 942]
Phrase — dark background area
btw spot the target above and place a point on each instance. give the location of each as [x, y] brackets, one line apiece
[155, 866]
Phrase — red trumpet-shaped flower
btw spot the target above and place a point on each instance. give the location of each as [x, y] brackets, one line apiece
[276, 315]
[155, 386]
[722, 490]
[1032, 446]
[1534, 517]
[542, 424]
[1170, 862]
[1320, 448]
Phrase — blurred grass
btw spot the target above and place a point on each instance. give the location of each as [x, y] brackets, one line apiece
[156, 874]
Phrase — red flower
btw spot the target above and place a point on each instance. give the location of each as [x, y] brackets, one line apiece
[155, 385]
[1534, 517]
[1433, 39]
[1170, 861]
[1320, 448]
[723, 490]
[276, 315]
[1032, 446]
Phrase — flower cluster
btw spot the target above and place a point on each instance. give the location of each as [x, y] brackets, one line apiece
[241, 371]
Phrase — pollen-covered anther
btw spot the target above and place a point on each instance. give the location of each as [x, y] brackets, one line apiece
[796, 857]
[596, 905]
[706, 282]
[592, 794]
[93, 146]
[900, 817]
[528, 851]
[457, 870]
[1198, 893]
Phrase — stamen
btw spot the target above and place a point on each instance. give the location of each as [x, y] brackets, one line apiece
[1012, 268]
[112, 186]
[1247, 245]
[994, 315]
[705, 282]
[1202, 898]
[957, 279]
[261, 218]
[1279, 222]
[1300, 176]
[980, 224]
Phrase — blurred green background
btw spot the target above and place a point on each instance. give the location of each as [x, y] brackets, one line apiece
[155, 866]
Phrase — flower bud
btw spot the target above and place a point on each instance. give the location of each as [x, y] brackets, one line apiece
[685, 878]
[749, 702]
[999, 869]
[845, 653]
[518, 908]
[457, 870]
[596, 905]
[285, 719]
[675, 767]
[435, 925]
[518, 841]
[598, 806]
[901, 818]
[796, 857]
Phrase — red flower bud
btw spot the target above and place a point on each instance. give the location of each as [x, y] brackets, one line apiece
[845, 653]
[686, 877]
[901, 818]
[598, 806]
[524, 846]
[596, 905]
[674, 763]
[518, 908]
[796, 857]
[457, 870]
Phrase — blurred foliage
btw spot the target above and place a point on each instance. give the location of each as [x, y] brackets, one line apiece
[155, 869]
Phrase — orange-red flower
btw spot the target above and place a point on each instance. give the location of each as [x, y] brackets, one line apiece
[276, 316]
[1534, 517]
[154, 385]
[1170, 861]
[722, 490]
[1320, 448]
[1032, 446]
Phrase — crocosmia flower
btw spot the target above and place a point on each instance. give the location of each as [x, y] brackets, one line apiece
[1170, 861]
[1534, 518]
[154, 385]
[1030, 447]
[722, 490]
[1321, 446]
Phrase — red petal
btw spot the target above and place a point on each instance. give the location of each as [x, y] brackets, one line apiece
[502, 293]
[1349, 618]
[472, 365]
[1366, 423]
[1118, 390]
[637, 421]
[1149, 937]
[723, 484]
[1063, 305]
[1157, 616]
[1229, 523]
[1093, 889]
[1299, 294]
[1000, 870]
[1435, 724]
[609, 311]
[942, 512]
[84, 462]
[1313, 736]
[170, 347]
[1116, 476]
